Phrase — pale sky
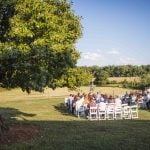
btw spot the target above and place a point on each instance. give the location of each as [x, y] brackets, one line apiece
[115, 32]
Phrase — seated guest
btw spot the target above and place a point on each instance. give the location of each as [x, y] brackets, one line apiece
[102, 105]
[133, 98]
[110, 99]
[102, 98]
[91, 104]
[105, 99]
[118, 101]
[86, 100]
[129, 100]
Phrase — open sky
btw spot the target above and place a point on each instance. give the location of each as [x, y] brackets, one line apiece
[115, 32]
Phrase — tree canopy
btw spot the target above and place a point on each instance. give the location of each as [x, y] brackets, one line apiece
[37, 42]
[101, 77]
[102, 73]
[76, 77]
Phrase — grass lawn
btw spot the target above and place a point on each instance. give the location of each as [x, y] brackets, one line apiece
[59, 130]
[121, 79]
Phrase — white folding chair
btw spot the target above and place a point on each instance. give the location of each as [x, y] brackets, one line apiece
[93, 113]
[118, 112]
[102, 111]
[123, 105]
[126, 113]
[110, 111]
[134, 111]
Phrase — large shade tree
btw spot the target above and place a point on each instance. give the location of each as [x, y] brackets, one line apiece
[37, 43]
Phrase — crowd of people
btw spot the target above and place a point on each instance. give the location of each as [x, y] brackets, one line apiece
[140, 98]
[73, 102]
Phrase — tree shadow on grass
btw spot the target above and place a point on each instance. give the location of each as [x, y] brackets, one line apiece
[62, 109]
[10, 114]
[145, 109]
[12, 130]
[87, 135]
[74, 135]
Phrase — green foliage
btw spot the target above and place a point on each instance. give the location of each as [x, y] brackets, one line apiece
[125, 84]
[122, 71]
[101, 77]
[37, 42]
[75, 77]
[113, 82]
[145, 81]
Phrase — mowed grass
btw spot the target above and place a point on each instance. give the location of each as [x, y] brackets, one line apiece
[60, 130]
[121, 79]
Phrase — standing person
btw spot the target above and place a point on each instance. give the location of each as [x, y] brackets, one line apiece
[98, 96]
[148, 100]
[71, 97]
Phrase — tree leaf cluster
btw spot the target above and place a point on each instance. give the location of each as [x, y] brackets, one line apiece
[37, 42]
[75, 78]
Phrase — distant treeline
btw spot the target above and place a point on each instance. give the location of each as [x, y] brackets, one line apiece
[101, 75]
[121, 71]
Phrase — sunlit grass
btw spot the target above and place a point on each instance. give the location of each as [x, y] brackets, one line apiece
[18, 95]
[62, 130]
[121, 79]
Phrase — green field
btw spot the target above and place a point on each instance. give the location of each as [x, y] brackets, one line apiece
[121, 79]
[59, 130]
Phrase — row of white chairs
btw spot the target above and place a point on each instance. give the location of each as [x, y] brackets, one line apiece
[111, 112]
